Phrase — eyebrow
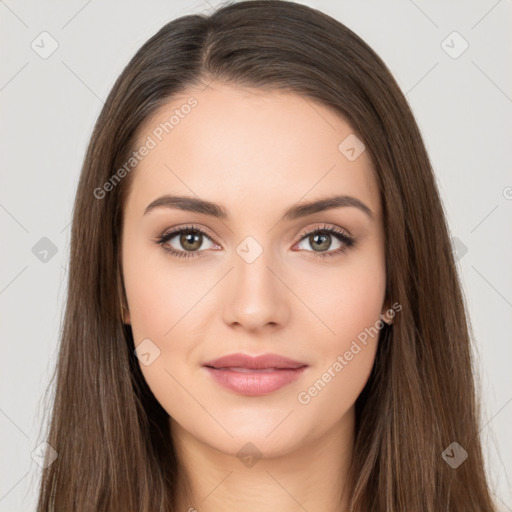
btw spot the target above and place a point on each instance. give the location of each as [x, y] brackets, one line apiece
[192, 204]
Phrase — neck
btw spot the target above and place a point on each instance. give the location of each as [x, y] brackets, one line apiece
[309, 478]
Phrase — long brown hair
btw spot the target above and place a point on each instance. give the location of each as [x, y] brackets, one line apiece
[112, 437]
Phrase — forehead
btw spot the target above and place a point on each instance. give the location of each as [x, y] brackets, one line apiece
[249, 148]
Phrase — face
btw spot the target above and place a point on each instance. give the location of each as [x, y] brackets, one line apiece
[253, 281]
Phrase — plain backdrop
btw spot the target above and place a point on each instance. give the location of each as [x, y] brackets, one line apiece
[451, 59]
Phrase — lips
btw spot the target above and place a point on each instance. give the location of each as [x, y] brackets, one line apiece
[261, 362]
[254, 376]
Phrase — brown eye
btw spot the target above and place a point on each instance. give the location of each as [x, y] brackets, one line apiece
[185, 242]
[191, 240]
[321, 240]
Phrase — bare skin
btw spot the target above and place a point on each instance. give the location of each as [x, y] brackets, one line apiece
[257, 154]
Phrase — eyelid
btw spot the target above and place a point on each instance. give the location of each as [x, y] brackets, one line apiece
[189, 227]
[322, 226]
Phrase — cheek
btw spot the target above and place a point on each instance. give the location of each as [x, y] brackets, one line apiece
[345, 361]
[159, 290]
[344, 302]
[347, 304]
[158, 313]
[164, 300]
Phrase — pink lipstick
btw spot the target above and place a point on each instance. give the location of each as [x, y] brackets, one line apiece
[254, 376]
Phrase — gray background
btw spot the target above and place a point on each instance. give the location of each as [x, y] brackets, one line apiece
[462, 103]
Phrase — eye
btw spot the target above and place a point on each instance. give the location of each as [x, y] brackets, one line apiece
[321, 239]
[189, 240]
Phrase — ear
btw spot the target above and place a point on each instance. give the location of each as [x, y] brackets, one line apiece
[126, 316]
[125, 312]
[384, 315]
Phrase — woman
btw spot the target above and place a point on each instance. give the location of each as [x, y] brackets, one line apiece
[263, 307]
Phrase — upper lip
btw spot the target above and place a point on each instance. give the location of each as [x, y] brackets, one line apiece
[254, 362]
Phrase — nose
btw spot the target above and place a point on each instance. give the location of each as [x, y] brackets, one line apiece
[257, 297]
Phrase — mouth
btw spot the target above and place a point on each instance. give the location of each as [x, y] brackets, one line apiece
[249, 370]
[254, 376]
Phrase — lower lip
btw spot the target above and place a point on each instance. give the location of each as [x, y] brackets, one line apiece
[255, 383]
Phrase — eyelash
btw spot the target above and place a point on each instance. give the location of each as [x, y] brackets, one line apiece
[346, 240]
